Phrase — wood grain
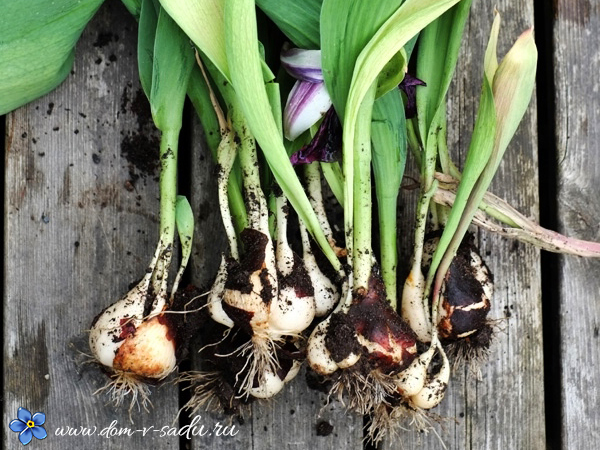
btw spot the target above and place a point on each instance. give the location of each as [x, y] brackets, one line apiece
[505, 407]
[576, 67]
[79, 228]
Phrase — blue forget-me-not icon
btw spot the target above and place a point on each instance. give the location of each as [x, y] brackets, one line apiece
[29, 426]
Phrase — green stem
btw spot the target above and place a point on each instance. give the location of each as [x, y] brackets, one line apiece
[312, 175]
[496, 214]
[388, 139]
[450, 251]
[413, 141]
[361, 188]
[420, 228]
[168, 186]
[335, 179]
[258, 216]
[199, 92]
[236, 199]
[386, 207]
[428, 182]
[428, 188]
[448, 166]
[421, 224]
[168, 201]
[442, 145]
[431, 152]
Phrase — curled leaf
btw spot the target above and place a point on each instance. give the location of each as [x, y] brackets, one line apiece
[513, 87]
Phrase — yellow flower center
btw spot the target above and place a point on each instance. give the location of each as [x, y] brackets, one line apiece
[30, 424]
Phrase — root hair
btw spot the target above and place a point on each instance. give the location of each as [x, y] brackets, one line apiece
[389, 421]
[205, 386]
[123, 384]
[261, 356]
[361, 393]
[473, 352]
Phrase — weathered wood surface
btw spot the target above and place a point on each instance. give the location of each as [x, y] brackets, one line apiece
[577, 83]
[505, 407]
[79, 229]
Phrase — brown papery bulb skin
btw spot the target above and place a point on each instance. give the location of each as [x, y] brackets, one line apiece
[149, 351]
[465, 296]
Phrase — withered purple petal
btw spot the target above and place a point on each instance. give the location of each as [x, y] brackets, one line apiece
[409, 86]
[326, 145]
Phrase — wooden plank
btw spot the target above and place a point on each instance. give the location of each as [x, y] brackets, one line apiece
[80, 226]
[576, 68]
[505, 408]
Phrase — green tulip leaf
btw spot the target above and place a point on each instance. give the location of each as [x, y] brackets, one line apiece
[184, 217]
[202, 21]
[346, 27]
[37, 45]
[388, 135]
[172, 66]
[437, 56]
[299, 21]
[133, 6]
[148, 20]
[392, 74]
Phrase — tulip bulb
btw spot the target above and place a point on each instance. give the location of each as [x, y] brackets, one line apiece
[268, 386]
[122, 325]
[136, 341]
[465, 295]
[293, 310]
[464, 302]
[326, 293]
[150, 351]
